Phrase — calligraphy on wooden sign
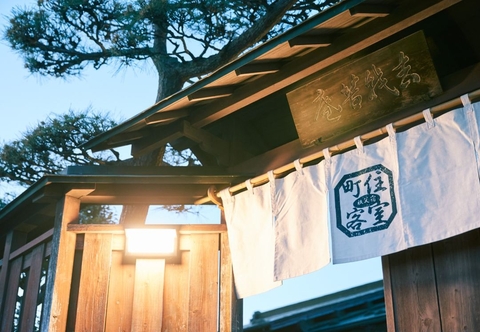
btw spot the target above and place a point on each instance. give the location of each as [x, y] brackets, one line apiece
[365, 90]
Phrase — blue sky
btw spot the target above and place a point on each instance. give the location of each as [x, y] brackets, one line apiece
[25, 100]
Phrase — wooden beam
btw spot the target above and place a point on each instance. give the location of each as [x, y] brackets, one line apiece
[275, 158]
[96, 228]
[156, 139]
[121, 139]
[30, 245]
[204, 158]
[81, 190]
[161, 200]
[203, 229]
[119, 229]
[370, 10]
[208, 142]
[51, 194]
[258, 68]
[211, 93]
[226, 152]
[166, 116]
[311, 41]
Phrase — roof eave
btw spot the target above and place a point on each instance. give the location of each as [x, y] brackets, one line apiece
[232, 66]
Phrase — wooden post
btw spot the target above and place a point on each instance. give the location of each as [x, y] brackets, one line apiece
[55, 308]
[231, 308]
[434, 287]
[148, 295]
[94, 279]
[203, 283]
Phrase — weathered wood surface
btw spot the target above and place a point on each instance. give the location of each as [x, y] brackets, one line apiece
[31, 293]
[415, 302]
[13, 240]
[75, 285]
[120, 294]
[202, 313]
[3, 272]
[231, 308]
[434, 287]
[176, 295]
[11, 294]
[55, 308]
[365, 90]
[95, 290]
[388, 296]
[148, 295]
[94, 279]
[458, 281]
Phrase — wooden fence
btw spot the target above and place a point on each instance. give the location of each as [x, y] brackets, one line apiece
[23, 273]
[74, 278]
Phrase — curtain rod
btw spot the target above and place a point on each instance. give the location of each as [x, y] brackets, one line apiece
[263, 178]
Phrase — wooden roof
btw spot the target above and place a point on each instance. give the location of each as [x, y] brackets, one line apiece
[238, 121]
[238, 118]
[35, 207]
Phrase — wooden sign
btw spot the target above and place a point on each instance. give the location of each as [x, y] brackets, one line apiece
[379, 84]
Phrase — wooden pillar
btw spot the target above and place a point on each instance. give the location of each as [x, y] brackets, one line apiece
[231, 308]
[435, 287]
[55, 308]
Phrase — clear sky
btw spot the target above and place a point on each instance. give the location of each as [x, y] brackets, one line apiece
[26, 100]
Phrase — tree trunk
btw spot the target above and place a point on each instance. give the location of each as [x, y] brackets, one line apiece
[169, 82]
[169, 79]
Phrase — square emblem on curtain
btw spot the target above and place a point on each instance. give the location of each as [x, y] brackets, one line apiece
[365, 201]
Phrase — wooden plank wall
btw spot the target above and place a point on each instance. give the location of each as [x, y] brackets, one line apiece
[90, 287]
[435, 287]
[94, 280]
[151, 295]
[105, 294]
